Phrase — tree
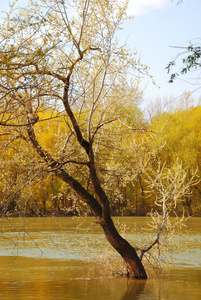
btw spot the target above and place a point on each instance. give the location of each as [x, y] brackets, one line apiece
[64, 55]
[170, 187]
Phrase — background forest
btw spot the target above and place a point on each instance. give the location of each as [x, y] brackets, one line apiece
[127, 165]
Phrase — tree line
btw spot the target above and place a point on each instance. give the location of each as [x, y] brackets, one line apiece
[169, 138]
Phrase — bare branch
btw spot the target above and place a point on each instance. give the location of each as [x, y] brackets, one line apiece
[136, 129]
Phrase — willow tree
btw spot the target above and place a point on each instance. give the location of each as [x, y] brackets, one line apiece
[64, 55]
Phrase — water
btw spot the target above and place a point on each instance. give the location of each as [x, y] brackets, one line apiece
[64, 258]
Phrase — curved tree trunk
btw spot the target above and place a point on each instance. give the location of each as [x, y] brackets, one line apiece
[127, 252]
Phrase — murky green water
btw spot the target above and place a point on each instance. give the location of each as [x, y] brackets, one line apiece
[64, 258]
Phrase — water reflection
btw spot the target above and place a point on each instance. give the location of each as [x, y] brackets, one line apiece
[135, 288]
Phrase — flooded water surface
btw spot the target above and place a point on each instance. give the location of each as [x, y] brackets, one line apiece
[64, 258]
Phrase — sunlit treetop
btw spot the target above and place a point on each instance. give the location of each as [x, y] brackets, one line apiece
[49, 43]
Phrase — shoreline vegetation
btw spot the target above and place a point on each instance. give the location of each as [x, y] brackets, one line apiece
[67, 213]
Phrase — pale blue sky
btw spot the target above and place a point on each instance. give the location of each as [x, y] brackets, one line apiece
[157, 25]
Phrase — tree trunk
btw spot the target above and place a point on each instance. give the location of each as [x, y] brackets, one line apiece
[103, 217]
[127, 252]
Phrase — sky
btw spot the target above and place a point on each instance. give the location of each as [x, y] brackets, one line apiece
[157, 25]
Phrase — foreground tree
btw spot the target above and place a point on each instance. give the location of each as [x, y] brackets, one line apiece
[64, 55]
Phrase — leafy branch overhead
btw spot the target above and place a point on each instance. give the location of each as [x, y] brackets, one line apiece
[190, 58]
